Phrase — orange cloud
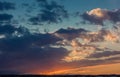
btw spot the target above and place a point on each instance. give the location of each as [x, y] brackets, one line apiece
[111, 37]
[79, 51]
[98, 13]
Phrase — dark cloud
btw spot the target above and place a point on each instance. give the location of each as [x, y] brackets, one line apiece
[6, 6]
[5, 17]
[50, 13]
[114, 15]
[98, 16]
[104, 54]
[92, 19]
[26, 41]
[70, 33]
[29, 51]
[85, 35]
[11, 31]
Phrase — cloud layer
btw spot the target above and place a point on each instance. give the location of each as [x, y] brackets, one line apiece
[62, 47]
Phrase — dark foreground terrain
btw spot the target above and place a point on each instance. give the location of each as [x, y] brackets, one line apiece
[60, 75]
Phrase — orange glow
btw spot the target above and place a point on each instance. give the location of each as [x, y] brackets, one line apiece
[55, 70]
[92, 70]
[111, 37]
[79, 51]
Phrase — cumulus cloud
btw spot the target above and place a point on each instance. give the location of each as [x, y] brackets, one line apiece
[50, 13]
[6, 6]
[80, 51]
[98, 16]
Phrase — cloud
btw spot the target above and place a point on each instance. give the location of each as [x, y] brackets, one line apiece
[114, 15]
[104, 54]
[70, 33]
[5, 17]
[28, 52]
[50, 13]
[35, 53]
[82, 43]
[87, 36]
[26, 41]
[100, 36]
[23, 51]
[10, 31]
[80, 51]
[6, 6]
[98, 16]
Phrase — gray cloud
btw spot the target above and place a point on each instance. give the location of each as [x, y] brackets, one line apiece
[88, 36]
[70, 33]
[104, 54]
[50, 13]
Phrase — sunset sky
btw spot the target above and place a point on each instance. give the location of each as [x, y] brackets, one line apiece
[60, 37]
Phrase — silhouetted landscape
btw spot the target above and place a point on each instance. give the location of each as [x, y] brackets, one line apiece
[61, 75]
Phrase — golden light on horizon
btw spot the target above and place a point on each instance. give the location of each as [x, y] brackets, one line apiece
[89, 70]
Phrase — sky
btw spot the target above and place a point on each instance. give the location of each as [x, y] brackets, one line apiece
[59, 37]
